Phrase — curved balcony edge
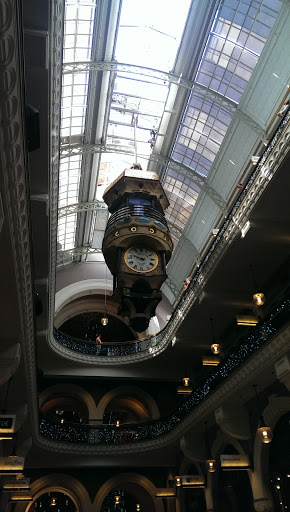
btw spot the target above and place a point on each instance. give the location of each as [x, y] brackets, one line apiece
[256, 185]
[268, 341]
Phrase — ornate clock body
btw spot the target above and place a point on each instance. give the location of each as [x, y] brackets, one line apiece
[137, 243]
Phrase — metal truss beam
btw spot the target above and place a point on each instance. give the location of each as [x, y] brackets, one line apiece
[194, 176]
[172, 286]
[81, 207]
[64, 257]
[171, 78]
[182, 239]
[77, 149]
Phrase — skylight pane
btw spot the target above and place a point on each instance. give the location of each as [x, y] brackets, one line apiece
[146, 38]
[78, 33]
[237, 37]
[150, 32]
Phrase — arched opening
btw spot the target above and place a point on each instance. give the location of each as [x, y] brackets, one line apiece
[231, 488]
[64, 410]
[280, 464]
[133, 489]
[120, 501]
[126, 410]
[86, 326]
[52, 502]
[194, 498]
[131, 402]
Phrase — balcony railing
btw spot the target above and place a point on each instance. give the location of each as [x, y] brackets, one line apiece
[107, 434]
[108, 349]
[156, 343]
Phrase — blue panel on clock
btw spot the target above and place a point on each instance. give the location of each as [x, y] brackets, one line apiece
[142, 219]
[124, 221]
[159, 224]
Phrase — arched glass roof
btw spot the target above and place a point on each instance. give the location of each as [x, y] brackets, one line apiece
[136, 98]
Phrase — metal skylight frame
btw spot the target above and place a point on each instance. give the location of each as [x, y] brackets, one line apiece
[200, 135]
[231, 50]
[78, 33]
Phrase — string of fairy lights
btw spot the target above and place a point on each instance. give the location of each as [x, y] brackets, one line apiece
[106, 434]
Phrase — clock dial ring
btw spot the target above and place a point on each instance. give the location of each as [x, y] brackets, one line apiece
[141, 259]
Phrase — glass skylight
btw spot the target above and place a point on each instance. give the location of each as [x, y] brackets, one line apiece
[237, 37]
[78, 33]
[146, 38]
[149, 36]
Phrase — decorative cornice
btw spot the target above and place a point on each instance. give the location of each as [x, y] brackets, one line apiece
[14, 162]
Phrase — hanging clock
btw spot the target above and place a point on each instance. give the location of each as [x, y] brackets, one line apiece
[141, 259]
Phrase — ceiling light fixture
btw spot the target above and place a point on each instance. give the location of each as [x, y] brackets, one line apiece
[264, 433]
[215, 347]
[255, 159]
[210, 463]
[104, 319]
[245, 229]
[258, 297]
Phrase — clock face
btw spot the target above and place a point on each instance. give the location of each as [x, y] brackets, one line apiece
[141, 259]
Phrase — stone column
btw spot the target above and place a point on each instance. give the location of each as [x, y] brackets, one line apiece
[263, 505]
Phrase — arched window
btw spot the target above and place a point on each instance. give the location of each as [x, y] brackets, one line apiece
[280, 463]
[53, 502]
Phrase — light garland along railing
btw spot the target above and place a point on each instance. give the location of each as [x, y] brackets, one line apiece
[106, 434]
[152, 344]
[108, 349]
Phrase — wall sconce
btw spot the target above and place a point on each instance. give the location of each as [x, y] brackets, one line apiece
[177, 481]
[117, 423]
[211, 463]
[53, 502]
[186, 381]
[182, 390]
[138, 508]
[210, 361]
[117, 500]
[247, 320]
